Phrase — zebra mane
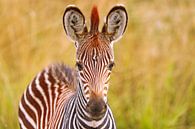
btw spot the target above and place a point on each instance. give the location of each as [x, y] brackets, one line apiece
[64, 74]
[94, 20]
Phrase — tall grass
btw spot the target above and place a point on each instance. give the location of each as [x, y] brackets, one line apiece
[153, 83]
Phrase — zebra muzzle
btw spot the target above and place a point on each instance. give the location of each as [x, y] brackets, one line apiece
[96, 107]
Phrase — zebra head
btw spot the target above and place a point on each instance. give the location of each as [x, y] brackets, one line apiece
[94, 55]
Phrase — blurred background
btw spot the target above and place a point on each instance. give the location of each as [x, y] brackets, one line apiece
[153, 83]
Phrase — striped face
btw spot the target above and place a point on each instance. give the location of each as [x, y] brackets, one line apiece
[94, 58]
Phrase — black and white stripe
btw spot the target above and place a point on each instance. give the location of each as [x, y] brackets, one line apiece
[48, 103]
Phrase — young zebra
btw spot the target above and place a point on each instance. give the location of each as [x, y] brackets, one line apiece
[63, 98]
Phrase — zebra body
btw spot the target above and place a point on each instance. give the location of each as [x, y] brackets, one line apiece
[63, 98]
[61, 111]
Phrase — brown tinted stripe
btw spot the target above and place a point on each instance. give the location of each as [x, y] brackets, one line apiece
[24, 120]
[45, 89]
[28, 109]
[34, 103]
[52, 81]
[39, 96]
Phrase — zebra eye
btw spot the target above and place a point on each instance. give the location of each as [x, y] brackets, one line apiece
[79, 66]
[110, 65]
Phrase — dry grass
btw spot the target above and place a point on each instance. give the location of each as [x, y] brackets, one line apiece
[153, 83]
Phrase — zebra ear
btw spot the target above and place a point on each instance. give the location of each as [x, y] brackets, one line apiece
[74, 23]
[116, 22]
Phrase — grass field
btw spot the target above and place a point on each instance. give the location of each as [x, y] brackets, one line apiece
[153, 83]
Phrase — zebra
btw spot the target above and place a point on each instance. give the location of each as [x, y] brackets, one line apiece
[60, 97]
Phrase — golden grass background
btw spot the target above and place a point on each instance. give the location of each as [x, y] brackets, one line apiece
[153, 83]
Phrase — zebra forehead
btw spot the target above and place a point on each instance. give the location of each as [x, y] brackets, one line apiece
[96, 45]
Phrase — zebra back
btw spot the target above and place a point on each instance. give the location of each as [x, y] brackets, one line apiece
[43, 101]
